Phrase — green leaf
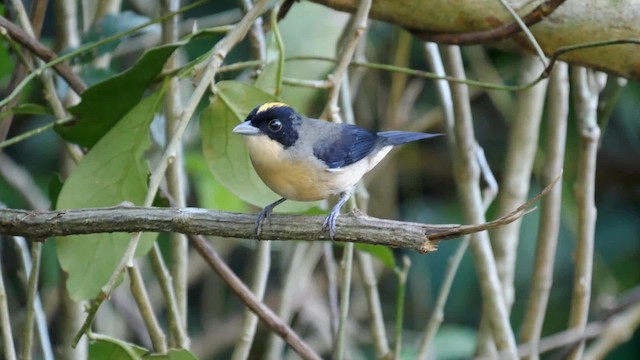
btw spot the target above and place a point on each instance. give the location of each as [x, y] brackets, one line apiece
[103, 104]
[211, 194]
[226, 152]
[115, 349]
[54, 187]
[112, 172]
[107, 348]
[382, 253]
[174, 354]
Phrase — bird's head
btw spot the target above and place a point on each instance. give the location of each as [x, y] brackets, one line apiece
[277, 121]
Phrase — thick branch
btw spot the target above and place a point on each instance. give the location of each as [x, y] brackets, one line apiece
[353, 227]
[574, 22]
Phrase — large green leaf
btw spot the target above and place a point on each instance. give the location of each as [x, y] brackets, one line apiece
[226, 152]
[112, 172]
[114, 349]
[211, 194]
[103, 104]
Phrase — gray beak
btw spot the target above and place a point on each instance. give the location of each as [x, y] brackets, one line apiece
[245, 128]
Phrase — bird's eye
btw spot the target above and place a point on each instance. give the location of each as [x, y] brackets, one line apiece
[275, 125]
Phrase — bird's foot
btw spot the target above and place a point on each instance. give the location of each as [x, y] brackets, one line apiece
[330, 223]
[265, 214]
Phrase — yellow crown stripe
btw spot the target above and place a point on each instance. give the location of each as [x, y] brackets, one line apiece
[270, 105]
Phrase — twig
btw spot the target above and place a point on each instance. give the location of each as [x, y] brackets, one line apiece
[32, 293]
[624, 320]
[180, 338]
[619, 330]
[40, 316]
[521, 152]
[260, 277]
[176, 185]
[345, 293]
[264, 313]
[280, 45]
[16, 139]
[22, 182]
[502, 32]
[467, 176]
[402, 274]
[586, 102]
[331, 269]
[549, 225]
[38, 9]
[359, 25]
[525, 29]
[340, 92]
[301, 265]
[43, 53]
[158, 338]
[8, 348]
[370, 284]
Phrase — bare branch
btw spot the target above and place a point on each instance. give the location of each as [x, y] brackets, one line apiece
[353, 227]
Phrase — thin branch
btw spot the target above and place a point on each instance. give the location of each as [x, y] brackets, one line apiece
[345, 294]
[260, 277]
[619, 330]
[467, 176]
[180, 338]
[346, 54]
[22, 182]
[549, 226]
[40, 315]
[303, 261]
[240, 289]
[488, 195]
[139, 292]
[620, 323]
[33, 274]
[176, 183]
[502, 32]
[331, 269]
[402, 274]
[526, 31]
[43, 52]
[8, 349]
[586, 103]
[516, 178]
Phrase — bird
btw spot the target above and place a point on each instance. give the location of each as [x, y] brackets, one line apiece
[306, 159]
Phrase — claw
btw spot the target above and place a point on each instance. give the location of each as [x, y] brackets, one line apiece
[330, 221]
[265, 214]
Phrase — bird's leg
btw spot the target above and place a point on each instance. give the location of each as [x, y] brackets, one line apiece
[266, 214]
[330, 221]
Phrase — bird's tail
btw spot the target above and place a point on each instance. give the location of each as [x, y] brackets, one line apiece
[402, 137]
